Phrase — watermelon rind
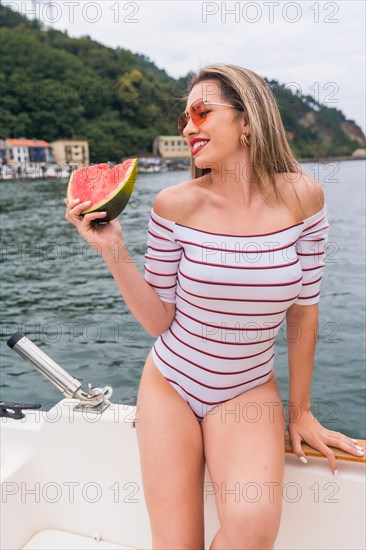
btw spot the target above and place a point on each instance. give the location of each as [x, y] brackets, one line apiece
[117, 202]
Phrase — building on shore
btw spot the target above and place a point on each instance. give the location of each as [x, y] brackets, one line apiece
[74, 152]
[23, 158]
[28, 151]
[171, 147]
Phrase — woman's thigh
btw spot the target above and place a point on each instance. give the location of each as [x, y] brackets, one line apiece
[172, 462]
[244, 443]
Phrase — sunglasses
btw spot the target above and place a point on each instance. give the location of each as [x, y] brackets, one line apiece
[198, 113]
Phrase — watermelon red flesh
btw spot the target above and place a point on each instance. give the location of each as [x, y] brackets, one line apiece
[107, 189]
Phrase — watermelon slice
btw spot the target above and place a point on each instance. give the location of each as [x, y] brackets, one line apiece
[108, 189]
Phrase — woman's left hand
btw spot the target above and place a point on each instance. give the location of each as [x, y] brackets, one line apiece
[307, 428]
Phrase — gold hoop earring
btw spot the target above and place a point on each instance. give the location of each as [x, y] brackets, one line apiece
[244, 141]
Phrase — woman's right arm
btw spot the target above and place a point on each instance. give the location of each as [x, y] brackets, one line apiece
[143, 301]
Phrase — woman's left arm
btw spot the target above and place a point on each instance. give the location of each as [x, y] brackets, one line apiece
[302, 329]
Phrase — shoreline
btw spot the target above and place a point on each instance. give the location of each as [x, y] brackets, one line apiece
[329, 159]
[30, 177]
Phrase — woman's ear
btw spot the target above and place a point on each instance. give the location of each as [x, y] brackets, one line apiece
[246, 124]
[246, 128]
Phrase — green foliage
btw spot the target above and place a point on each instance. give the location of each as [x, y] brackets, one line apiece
[54, 86]
[322, 135]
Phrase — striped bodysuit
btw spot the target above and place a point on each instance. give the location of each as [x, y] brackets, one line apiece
[232, 293]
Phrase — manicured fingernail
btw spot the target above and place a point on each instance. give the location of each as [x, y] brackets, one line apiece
[360, 453]
[104, 213]
[354, 440]
[303, 459]
[76, 200]
[335, 473]
[359, 448]
[87, 202]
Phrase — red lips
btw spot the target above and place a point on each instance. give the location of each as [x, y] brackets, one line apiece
[195, 140]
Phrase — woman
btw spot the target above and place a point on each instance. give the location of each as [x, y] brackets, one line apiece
[231, 253]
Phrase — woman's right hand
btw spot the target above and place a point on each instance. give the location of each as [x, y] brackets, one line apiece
[101, 237]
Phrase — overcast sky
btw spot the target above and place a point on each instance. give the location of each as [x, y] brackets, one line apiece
[316, 47]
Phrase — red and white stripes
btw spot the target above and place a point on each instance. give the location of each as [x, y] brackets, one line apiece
[232, 293]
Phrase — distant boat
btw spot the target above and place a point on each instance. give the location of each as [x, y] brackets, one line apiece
[151, 165]
[71, 479]
[150, 169]
[52, 172]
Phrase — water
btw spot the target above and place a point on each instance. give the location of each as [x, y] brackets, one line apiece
[60, 293]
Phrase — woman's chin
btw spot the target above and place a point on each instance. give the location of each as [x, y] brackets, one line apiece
[202, 164]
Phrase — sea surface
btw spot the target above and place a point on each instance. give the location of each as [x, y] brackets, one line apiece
[59, 292]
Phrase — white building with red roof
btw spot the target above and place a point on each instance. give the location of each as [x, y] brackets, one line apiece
[22, 150]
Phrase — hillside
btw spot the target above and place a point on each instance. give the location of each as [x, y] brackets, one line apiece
[55, 86]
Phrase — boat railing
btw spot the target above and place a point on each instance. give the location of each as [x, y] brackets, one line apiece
[95, 399]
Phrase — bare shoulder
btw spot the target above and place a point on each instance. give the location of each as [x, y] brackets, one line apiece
[303, 194]
[177, 202]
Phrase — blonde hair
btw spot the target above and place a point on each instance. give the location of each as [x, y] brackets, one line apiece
[269, 150]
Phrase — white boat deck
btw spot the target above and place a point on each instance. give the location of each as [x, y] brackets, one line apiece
[71, 478]
[53, 539]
